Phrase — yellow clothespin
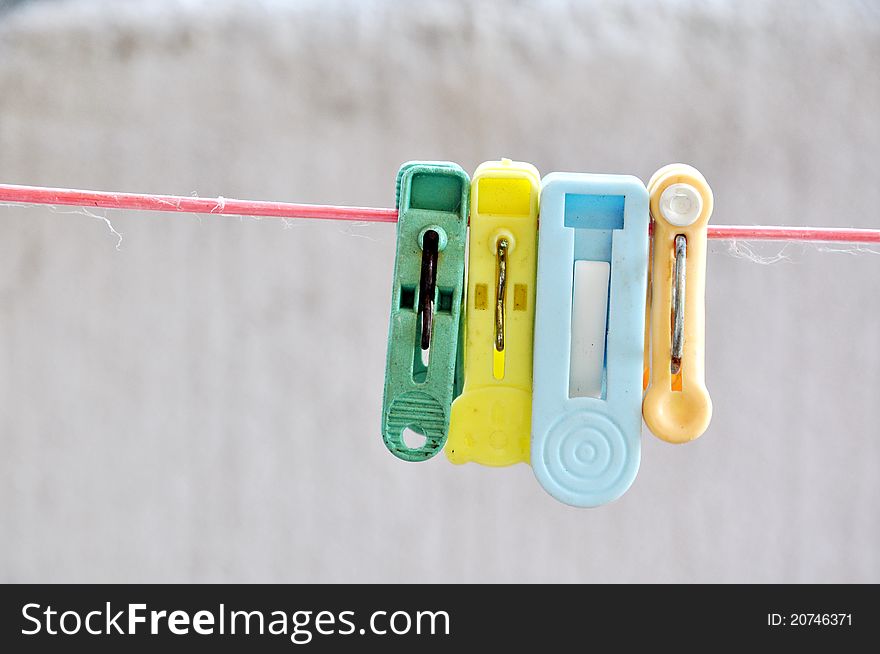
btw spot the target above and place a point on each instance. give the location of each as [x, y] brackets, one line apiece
[677, 407]
[491, 419]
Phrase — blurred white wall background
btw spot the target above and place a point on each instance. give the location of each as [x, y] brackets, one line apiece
[203, 404]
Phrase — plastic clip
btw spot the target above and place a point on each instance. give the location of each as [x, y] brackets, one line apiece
[589, 336]
[677, 406]
[491, 419]
[424, 334]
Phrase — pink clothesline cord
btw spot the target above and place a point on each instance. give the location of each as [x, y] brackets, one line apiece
[805, 234]
[181, 203]
[228, 207]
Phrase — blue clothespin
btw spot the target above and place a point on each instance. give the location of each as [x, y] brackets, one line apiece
[589, 336]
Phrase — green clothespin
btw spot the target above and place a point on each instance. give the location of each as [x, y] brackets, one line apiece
[422, 373]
